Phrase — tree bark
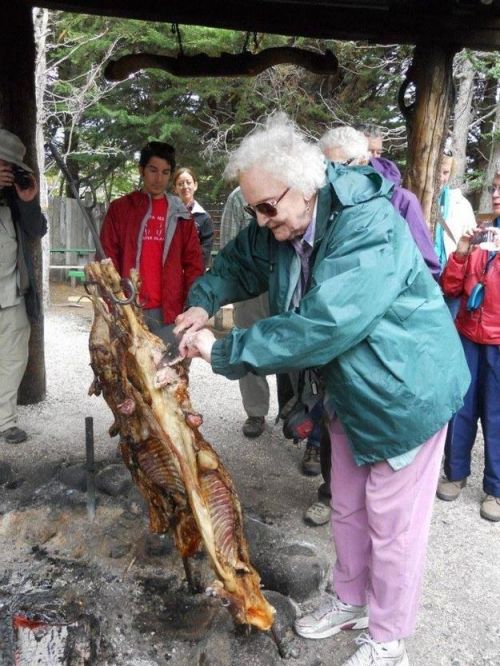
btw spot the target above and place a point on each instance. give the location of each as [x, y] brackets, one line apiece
[18, 114]
[493, 163]
[464, 75]
[41, 20]
[427, 117]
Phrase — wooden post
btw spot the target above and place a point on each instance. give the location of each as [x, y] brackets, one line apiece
[431, 73]
[18, 114]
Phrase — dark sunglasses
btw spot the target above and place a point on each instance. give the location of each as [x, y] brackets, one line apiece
[267, 208]
[493, 188]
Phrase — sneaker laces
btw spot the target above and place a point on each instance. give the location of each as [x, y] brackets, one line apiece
[369, 652]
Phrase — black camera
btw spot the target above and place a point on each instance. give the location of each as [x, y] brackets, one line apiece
[22, 177]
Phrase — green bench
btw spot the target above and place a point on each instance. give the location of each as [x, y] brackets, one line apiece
[75, 274]
[75, 271]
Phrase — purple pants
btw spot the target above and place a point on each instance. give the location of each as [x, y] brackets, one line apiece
[380, 525]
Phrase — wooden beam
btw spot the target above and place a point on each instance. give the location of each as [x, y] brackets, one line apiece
[386, 22]
[431, 74]
[18, 114]
[226, 64]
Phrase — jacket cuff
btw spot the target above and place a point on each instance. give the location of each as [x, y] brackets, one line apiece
[220, 361]
[460, 259]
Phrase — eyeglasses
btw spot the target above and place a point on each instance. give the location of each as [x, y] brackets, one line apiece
[267, 208]
[493, 188]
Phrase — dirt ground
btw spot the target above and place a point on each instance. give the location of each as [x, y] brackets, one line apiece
[459, 620]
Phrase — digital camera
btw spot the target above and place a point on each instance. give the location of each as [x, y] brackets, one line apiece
[21, 177]
[483, 236]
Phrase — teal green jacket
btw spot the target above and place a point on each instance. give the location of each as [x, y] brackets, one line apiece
[373, 318]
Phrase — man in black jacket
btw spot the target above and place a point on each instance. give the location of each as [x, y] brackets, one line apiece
[20, 220]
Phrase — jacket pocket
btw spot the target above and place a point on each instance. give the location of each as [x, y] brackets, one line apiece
[405, 306]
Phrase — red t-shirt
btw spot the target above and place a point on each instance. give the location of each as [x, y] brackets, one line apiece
[153, 241]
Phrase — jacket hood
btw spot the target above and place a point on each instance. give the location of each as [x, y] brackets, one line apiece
[175, 205]
[388, 169]
[197, 208]
[355, 185]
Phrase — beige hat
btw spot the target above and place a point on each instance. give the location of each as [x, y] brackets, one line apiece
[13, 150]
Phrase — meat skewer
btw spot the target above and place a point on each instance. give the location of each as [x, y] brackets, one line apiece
[180, 475]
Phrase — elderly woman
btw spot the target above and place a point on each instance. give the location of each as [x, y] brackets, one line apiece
[350, 296]
[472, 275]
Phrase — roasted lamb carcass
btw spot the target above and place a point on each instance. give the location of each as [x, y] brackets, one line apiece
[180, 475]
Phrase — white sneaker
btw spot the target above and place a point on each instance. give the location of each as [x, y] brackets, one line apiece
[330, 618]
[373, 653]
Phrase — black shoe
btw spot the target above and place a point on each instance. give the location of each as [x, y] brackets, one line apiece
[311, 464]
[254, 426]
[14, 435]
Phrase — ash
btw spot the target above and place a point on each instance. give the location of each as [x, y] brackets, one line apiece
[106, 592]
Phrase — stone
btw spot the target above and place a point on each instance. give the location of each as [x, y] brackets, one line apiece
[286, 612]
[114, 480]
[6, 473]
[158, 545]
[293, 569]
[43, 473]
[74, 476]
[118, 550]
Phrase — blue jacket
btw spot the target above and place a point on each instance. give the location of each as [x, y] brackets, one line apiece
[373, 320]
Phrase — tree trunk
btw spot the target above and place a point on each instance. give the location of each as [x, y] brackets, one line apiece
[71, 146]
[493, 164]
[18, 114]
[427, 118]
[40, 20]
[464, 76]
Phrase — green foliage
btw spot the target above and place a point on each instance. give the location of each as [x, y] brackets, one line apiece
[102, 125]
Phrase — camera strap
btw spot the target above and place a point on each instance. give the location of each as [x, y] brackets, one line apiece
[309, 385]
[476, 296]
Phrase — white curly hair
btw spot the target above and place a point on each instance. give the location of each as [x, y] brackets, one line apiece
[354, 144]
[281, 149]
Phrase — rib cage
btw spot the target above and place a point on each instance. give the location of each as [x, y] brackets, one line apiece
[181, 477]
[221, 512]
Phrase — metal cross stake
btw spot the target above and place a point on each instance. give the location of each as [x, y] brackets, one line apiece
[90, 466]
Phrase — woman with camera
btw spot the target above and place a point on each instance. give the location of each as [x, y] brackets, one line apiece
[473, 275]
[350, 296]
[20, 220]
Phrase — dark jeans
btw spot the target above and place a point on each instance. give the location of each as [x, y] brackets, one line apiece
[481, 402]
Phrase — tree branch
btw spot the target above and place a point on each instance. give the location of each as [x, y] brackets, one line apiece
[226, 64]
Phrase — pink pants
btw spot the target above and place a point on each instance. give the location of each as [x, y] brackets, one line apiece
[380, 525]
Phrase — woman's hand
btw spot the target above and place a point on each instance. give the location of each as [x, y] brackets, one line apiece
[190, 321]
[6, 175]
[464, 243]
[198, 344]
